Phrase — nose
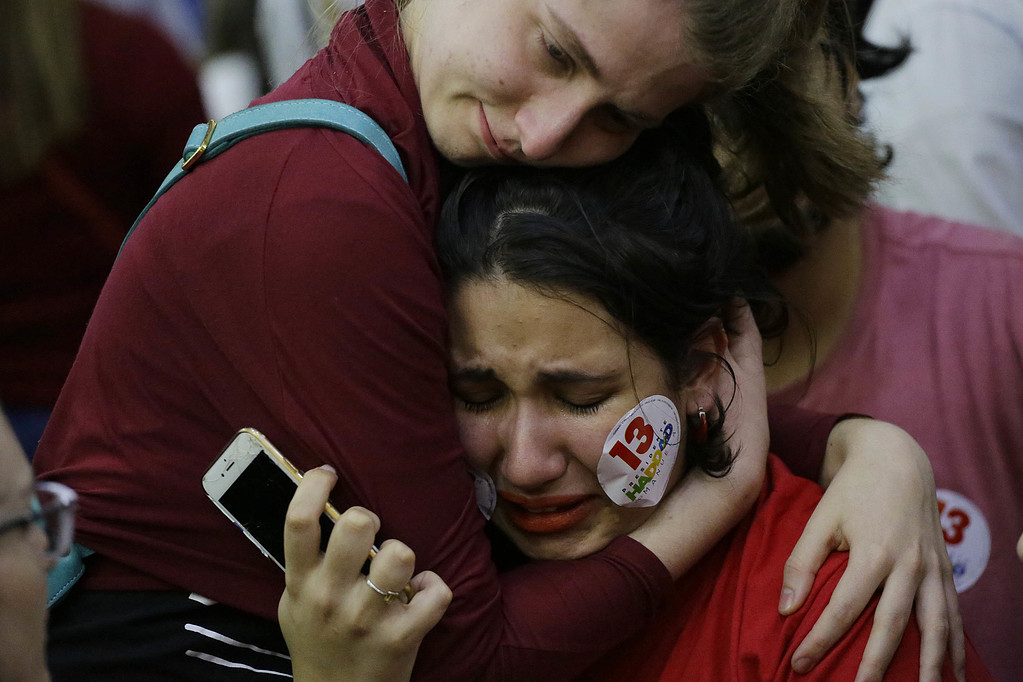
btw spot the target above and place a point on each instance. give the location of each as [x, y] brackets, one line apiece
[532, 455]
[546, 122]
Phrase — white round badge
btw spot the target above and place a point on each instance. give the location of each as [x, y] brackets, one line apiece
[967, 538]
[640, 453]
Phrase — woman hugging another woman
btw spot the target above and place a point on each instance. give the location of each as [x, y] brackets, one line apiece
[291, 284]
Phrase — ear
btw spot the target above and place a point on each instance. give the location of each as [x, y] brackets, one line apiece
[705, 362]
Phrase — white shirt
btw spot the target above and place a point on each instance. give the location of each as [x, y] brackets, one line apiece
[953, 112]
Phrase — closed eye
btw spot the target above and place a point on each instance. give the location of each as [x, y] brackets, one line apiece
[582, 408]
[476, 406]
[555, 53]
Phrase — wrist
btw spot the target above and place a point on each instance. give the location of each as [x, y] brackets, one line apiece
[843, 436]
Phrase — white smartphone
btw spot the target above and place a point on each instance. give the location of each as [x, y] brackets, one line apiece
[252, 483]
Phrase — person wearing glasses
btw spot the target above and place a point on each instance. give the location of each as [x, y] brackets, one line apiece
[36, 525]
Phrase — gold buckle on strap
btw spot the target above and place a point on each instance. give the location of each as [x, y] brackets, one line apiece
[194, 157]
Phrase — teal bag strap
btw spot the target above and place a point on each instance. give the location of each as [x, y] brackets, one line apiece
[65, 573]
[209, 139]
[206, 141]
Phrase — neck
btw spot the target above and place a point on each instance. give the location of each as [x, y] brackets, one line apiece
[822, 290]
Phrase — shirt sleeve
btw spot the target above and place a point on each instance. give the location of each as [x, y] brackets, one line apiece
[800, 437]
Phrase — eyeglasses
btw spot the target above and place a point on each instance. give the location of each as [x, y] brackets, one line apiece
[53, 511]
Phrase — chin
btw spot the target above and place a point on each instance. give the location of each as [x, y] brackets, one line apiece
[560, 549]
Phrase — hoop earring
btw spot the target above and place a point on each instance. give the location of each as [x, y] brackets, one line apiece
[700, 428]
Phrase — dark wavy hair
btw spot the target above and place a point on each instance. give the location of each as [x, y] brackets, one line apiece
[650, 236]
[871, 60]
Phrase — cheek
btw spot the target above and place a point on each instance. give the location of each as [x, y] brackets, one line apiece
[22, 602]
[587, 440]
[479, 437]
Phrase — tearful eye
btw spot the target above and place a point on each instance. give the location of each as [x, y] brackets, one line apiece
[475, 404]
[583, 408]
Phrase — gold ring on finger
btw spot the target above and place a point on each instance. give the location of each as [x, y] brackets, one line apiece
[388, 595]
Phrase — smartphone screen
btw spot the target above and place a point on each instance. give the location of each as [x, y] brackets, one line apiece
[259, 500]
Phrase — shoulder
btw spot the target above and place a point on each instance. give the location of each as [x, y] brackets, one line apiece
[767, 637]
[929, 234]
[306, 193]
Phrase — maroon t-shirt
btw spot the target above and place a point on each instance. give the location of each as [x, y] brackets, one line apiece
[290, 285]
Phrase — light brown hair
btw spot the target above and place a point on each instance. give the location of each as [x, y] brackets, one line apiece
[777, 119]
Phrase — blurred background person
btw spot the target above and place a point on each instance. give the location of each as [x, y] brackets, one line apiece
[95, 106]
[253, 46]
[919, 321]
[953, 111]
[181, 21]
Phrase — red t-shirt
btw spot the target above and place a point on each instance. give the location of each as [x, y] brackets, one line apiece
[722, 623]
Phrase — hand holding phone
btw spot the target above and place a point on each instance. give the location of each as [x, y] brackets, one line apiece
[335, 624]
[252, 483]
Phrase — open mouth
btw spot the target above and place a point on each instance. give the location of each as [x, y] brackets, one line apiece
[548, 514]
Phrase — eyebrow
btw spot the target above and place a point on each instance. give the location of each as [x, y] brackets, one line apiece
[476, 374]
[472, 374]
[575, 47]
[574, 377]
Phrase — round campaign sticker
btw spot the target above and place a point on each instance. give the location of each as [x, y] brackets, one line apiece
[967, 538]
[640, 453]
[486, 492]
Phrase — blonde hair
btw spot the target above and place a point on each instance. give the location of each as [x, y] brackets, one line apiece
[42, 81]
[326, 13]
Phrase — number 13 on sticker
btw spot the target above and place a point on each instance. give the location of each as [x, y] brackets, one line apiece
[641, 446]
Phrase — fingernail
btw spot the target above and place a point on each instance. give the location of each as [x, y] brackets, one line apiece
[327, 467]
[802, 666]
[787, 596]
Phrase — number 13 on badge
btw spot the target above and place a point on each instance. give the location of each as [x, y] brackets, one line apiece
[640, 453]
